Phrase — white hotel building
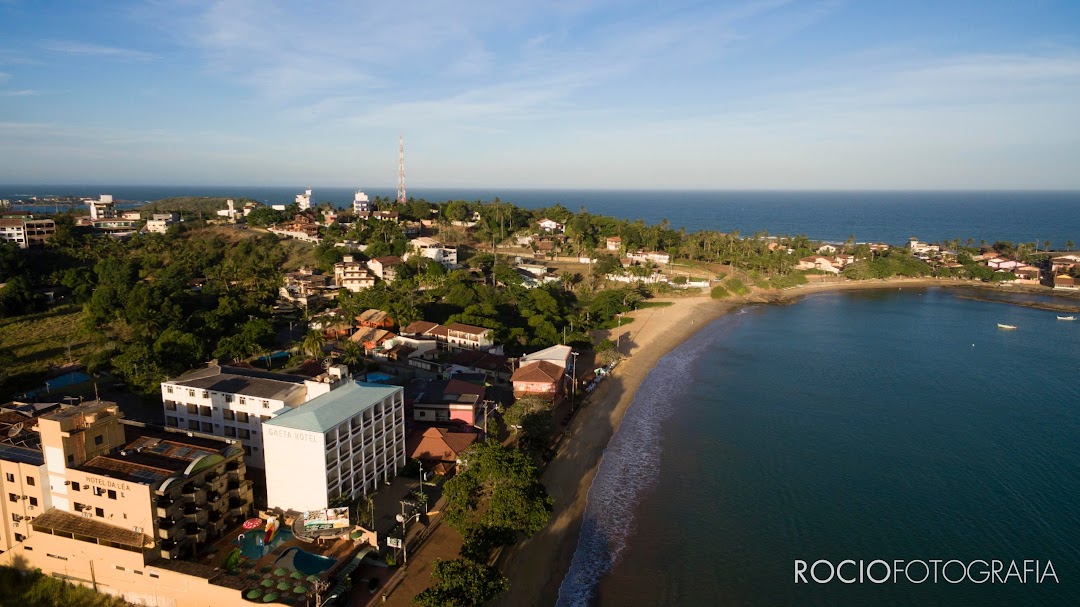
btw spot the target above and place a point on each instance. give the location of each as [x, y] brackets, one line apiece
[234, 402]
[355, 433]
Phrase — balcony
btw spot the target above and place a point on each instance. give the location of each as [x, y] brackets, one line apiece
[196, 514]
[169, 549]
[236, 487]
[197, 532]
[169, 529]
[235, 469]
[166, 507]
[238, 506]
[213, 497]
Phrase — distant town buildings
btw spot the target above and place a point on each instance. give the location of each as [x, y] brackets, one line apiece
[303, 201]
[361, 203]
[25, 231]
[353, 275]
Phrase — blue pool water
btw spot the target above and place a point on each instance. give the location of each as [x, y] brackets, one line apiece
[252, 547]
[273, 357]
[67, 379]
[304, 562]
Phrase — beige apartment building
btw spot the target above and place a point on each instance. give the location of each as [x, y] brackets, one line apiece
[118, 505]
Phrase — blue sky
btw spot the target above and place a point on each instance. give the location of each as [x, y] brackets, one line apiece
[584, 93]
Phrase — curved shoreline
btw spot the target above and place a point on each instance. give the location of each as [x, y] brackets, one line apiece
[536, 567]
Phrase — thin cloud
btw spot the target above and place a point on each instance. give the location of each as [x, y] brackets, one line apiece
[72, 47]
[19, 93]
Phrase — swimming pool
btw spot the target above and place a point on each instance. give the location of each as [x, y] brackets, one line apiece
[304, 562]
[252, 547]
[67, 379]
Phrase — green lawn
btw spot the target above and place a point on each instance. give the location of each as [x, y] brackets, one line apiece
[38, 342]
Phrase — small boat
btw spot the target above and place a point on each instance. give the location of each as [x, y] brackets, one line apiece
[1001, 326]
[1066, 318]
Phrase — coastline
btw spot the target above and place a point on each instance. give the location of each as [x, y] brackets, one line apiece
[536, 566]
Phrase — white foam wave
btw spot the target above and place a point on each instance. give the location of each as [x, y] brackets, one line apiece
[630, 466]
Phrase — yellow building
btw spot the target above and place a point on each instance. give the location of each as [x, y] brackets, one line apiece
[119, 505]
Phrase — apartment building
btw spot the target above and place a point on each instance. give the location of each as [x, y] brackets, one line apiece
[347, 442]
[436, 251]
[27, 233]
[234, 402]
[353, 275]
[117, 501]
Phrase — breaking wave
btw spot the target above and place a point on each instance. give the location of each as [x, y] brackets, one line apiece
[627, 471]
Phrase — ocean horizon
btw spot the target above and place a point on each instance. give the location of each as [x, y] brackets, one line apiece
[890, 216]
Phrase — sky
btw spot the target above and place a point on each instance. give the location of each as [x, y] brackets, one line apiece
[545, 94]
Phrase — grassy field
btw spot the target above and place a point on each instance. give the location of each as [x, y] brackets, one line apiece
[39, 342]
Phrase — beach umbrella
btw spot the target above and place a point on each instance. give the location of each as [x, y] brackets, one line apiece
[296, 575]
[267, 583]
[298, 589]
[284, 586]
[252, 523]
[269, 597]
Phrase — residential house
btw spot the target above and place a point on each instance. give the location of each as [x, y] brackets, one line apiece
[301, 228]
[435, 250]
[385, 267]
[1026, 274]
[541, 378]
[303, 201]
[450, 401]
[352, 275]
[495, 368]
[614, 243]
[827, 249]
[817, 262]
[439, 449]
[557, 354]
[102, 208]
[415, 352]
[379, 215]
[1001, 263]
[334, 324]
[657, 257]
[841, 260]
[371, 338]
[550, 225]
[376, 319]
[922, 248]
[455, 336]
[304, 287]
[1064, 263]
[1066, 282]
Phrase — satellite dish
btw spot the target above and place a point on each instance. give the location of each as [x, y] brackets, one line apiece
[15, 430]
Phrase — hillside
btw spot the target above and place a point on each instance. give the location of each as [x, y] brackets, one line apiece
[192, 205]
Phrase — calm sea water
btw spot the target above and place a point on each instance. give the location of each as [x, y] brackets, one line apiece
[869, 216]
[872, 425]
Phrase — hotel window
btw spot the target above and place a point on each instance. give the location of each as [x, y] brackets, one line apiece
[98, 491]
[98, 440]
[16, 518]
[228, 414]
[19, 537]
[243, 400]
[153, 575]
[191, 392]
[204, 411]
[75, 487]
[208, 427]
[242, 417]
[33, 502]
[170, 405]
[245, 433]
[30, 481]
[112, 494]
[205, 394]
[266, 404]
[193, 409]
[228, 398]
[10, 477]
[168, 389]
[172, 421]
[12, 497]
[230, 431]
[79, 507]
[192, 425]
[99, 512]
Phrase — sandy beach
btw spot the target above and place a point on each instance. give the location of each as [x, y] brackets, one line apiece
[536, 567]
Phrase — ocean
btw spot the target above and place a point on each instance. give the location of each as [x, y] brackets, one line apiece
[889, 424]
[832, 216]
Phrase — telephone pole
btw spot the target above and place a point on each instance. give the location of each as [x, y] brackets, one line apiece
[401, 170]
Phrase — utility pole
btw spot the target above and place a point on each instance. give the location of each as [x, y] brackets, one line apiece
[401, 170]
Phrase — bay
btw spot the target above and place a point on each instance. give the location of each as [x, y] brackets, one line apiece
[867, 425]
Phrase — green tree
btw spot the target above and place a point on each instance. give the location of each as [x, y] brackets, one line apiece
[529, 403]
[313, 344]
[462, 583]
[352, 354]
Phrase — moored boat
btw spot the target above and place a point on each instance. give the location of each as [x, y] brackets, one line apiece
[1066, 318]
[1001, 326]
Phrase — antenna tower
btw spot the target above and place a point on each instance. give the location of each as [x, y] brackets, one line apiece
[401, 170]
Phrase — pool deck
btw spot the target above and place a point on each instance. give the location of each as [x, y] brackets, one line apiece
[340, 549]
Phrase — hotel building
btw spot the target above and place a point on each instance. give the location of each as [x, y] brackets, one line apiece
[234, 402]
[354, 434]
[110, 504]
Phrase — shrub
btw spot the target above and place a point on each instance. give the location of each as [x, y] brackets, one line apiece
[736, 286]
[719, 292]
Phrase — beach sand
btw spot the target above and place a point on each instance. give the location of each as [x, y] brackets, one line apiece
[537, 566]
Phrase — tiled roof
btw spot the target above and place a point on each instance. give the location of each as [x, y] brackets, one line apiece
[237, 380]
[439, 444]
[419, 327]
[463, 328]
[539, 372]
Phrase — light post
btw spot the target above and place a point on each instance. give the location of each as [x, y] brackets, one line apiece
[405, 520]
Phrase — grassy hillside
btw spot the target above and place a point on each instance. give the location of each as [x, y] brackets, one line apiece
[192, 205]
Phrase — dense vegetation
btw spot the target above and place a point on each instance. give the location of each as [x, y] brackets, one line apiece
[34, 589]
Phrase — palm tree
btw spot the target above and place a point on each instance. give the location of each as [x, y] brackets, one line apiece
[1068, 245]
[352, 354]
[313, 344]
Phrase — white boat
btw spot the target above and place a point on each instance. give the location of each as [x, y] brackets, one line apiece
[1001, 326]
[1066, 318]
